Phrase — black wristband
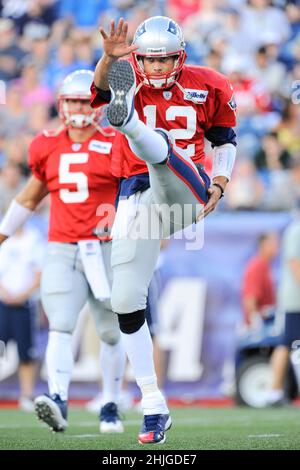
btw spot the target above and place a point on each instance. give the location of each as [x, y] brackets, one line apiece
[220, 187]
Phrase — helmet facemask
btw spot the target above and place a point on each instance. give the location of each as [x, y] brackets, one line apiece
[163, 80]
[76, 86]
[78, 120]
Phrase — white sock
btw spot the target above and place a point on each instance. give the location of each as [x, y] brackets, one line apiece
[153, 401]
[112, 364]
[59, 362]
[275, 395]
[139, 348]
[147, 144]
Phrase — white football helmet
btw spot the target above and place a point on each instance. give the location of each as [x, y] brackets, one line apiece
[159, 36]
[77, 86]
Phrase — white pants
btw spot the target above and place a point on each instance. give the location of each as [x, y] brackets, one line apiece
[65, 290]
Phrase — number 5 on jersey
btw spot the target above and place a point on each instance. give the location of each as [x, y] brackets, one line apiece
[66, 176]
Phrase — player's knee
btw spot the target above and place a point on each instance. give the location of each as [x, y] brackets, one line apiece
[110, 337]
[131, 322]
[61, 323]
[129, 299]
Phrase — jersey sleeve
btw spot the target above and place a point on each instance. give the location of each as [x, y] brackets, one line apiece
[35, 158]
[99, 97]
[225, 107]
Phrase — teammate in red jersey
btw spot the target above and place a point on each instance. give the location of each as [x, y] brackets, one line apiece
[73, 166]
[164, 109]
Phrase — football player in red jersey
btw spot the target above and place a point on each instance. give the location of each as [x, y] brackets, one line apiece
[73, 166]
[163, 109]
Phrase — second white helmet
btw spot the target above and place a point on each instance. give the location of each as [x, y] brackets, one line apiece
[77, 86]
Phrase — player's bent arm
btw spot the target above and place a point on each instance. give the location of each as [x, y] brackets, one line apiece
[32, 194]
[223, 163]
[101, 71]
[22, 207]
[223, 141]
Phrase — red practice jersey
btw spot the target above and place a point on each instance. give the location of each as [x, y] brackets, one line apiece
[201, 98]
[79, 179]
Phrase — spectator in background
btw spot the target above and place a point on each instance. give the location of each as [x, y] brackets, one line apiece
[11, 182]
[15, 153]
[263, 21]
[272, 155]
[288, 308]
[10, 52]
[267, 69]
[273, 162]
[294, 186]
[258, 290]
[60, 65]
[245, 191]
[288, 129]
[20, 268]
[35, 42]
[181, 10]
[13, 116]
[33, 91]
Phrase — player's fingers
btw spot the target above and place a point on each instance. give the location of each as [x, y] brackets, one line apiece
[103, 33]
[124, 30]
[112, 28]
[119, 27]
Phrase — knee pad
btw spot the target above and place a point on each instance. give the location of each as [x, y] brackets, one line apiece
[61, 323]
[131, 322]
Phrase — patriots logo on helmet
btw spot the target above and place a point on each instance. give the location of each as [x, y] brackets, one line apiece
[140, 31]
[172, 28]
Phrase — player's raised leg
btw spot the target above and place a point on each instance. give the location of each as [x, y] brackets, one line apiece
[174, 177]
[133, 262]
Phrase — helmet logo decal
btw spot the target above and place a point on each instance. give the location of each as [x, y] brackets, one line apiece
[140, 31]
[172, 28]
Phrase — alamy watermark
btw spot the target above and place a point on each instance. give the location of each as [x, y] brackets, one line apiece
[137, 221]
[295, 96]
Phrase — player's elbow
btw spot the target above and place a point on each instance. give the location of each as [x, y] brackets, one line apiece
[27, 201]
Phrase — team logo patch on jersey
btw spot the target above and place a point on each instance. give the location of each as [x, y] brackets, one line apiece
[167, 95]
[100, 147]
[197, 96]
[76, 147]
[232, 103]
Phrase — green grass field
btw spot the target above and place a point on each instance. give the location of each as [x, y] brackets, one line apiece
[193, 428]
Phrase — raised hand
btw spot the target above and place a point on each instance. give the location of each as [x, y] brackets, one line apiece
[115, 42]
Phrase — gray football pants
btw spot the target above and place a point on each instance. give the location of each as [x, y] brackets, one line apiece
[65, 290]
[134, 260]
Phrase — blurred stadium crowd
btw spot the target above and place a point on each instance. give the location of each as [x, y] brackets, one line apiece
[255, 42]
